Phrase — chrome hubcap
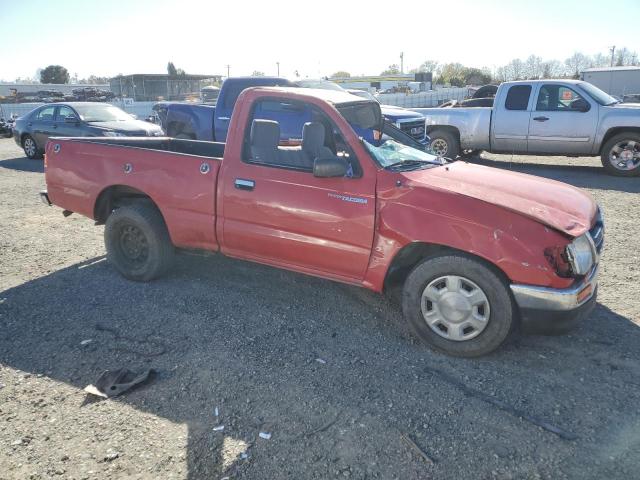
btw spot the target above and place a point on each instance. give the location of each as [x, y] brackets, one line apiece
[30, 147]
[625, 155]
[439, 147]
[455, 308]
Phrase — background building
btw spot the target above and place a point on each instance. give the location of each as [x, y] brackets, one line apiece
[152, 87]
[619, 81]
[415, 81]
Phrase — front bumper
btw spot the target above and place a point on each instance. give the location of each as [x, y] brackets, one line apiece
[550, 310]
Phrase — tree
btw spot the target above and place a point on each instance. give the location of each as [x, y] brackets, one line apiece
[341, 74]
[600, 60]
[475, 76]
[453, 74]
[171, 69]
[576, 63]
[257, 73]
[515, 69]
[94, 80]
[428, 66]
[54, 74]
[533, 67]
[552, 69]
[393, 69]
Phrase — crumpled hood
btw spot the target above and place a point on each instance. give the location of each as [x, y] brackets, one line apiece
[555, 204]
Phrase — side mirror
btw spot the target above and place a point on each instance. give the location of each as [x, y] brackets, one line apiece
[330, 167]
[71, 119]
[580, 105]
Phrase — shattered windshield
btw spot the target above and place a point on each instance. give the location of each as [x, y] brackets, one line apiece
[393, 154]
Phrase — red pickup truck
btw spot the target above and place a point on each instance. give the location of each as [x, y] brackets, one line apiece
[476, 250]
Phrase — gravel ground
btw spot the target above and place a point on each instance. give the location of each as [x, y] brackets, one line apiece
[329, 370]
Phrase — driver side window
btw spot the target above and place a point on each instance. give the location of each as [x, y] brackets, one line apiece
[64, 112]
[558, 98]
[292, 135]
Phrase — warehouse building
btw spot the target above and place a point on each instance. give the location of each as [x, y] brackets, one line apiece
[618, 81]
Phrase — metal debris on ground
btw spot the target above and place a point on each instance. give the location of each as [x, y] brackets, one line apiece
[320, 360]
[216, 411]
[86, 342]
[219, 428]
[264, 435]
[417, 449]
[112, 383]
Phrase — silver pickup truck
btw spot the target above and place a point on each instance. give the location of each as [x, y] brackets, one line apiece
[548, 117]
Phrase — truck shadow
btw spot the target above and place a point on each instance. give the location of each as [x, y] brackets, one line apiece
[23, 164]
[290, 354]
[582, 176]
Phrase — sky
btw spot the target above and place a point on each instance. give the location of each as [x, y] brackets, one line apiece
[315, 39]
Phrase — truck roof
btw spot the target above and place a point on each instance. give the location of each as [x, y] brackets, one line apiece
[546, 80]
[335, 97]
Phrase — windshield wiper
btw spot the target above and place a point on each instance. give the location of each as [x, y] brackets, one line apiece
[412, 163]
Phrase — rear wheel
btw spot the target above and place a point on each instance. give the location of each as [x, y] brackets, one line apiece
[30, 147]
[444, 144]
[458, 305]
[621, 155]
[138, 243]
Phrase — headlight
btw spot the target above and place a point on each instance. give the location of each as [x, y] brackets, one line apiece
[110, 133]
[581, 254]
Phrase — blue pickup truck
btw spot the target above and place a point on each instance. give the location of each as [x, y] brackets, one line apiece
[211, 122]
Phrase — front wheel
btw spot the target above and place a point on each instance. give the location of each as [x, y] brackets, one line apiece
[444, 144]
[458, 305]
[621, 155]
[138, 243]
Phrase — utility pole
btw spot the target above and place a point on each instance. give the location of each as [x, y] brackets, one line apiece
[278, 64]
[613, 51]
[401, 62]
[228, 70]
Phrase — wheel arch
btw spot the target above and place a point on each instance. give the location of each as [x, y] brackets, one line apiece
[613, 132]
[413, 253]
[115, 196]
[448, 128]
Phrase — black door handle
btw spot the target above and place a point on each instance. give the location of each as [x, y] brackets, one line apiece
[244, 184]
[541, 119]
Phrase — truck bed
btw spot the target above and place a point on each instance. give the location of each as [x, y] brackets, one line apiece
[473, 123]
[167, 144]
[178, 175]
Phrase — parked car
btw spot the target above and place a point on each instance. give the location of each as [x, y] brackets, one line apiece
[76, 119]
[211, 123]
[548, 117]
[474, 249]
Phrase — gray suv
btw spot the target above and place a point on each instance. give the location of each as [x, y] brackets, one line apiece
[77, 119]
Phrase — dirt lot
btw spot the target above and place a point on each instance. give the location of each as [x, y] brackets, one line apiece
[329, 370]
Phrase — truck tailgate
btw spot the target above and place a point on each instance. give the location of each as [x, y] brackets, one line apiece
[183, 186]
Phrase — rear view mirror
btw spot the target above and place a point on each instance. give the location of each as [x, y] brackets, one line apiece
[71, 119]
[580, 105]
[330, 167]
